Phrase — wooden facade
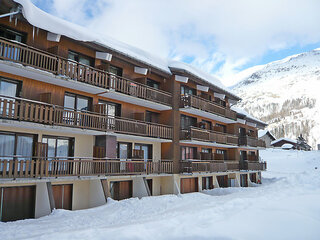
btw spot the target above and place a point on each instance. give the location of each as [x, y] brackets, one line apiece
[113, 122]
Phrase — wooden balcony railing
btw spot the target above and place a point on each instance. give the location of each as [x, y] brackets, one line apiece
[251, 141]
[208, 136]
[38, 112]
[207, 106]
[254, 165]
[44, 167]
[233, 165]
[30, 56]
[191, 166]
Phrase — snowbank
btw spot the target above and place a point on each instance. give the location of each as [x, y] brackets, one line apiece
[285, 206]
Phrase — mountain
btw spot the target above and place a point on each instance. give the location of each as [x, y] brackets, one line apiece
[285, 94]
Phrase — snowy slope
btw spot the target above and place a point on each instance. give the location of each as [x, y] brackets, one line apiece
[285, 206]
[286, 95]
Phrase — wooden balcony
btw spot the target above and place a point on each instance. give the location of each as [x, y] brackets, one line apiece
[36, 58]
[44, 167]
[192, 166]
[207, 106]
[38, 112]
[233, 165]
[251, 141]
[254, 165]
[205, 135]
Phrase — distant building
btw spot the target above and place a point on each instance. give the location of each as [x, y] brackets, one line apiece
[266, 136]
[281, 141]
[302, 144]
[319, 147]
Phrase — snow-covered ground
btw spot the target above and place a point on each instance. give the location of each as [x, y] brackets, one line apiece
[285, 206]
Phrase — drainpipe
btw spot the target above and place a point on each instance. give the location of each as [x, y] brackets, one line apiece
[14, 12]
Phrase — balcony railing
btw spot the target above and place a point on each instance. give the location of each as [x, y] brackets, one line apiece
[233, 165]
[254, 165]
[207, 106]
[251, 141]
[44, 167]
[38, 112]
[191, 166]
[30, 56]
[200, 134]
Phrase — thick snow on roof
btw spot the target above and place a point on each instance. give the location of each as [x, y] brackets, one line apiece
[246, 114]
[285, 139]
[200, 74]
[43, 20]
[287, 146]
[261, 133]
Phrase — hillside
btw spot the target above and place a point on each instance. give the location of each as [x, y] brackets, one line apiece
[286, 95]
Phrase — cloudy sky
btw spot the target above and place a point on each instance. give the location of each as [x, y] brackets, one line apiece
[221, 37]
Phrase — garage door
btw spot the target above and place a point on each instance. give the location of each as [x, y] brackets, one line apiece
[121, 190]
[188, 185]
[223, 181]
[17, 203]
[62, 195]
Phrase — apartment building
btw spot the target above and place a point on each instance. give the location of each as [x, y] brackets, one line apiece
[84, 118]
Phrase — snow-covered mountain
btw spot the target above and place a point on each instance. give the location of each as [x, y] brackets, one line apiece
[286, 95]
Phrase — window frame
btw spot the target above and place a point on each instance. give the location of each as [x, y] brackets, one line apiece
[70, 148]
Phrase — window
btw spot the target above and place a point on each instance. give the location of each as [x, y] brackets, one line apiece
[220, 102]
[146, 148]
[111, 109]
[124, 150]
[221, 154]
[9, 88]
[59, 147]
[153, 84]
[77, 57]
[206, 150]
[221, 128]
[205, 96]
[16, 145]
[242, 131]
[12, 35]
[152, 117]
[187, 122]
[243, 155]
[115, 70]
[205, 125]
[76, 102]
[185, 90]
[188, 153]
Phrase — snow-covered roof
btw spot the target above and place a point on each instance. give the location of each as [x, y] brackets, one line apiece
[261, 133]
[43, 20]
[247, 115]
[202, 75]
[284, 139]
[287, 146]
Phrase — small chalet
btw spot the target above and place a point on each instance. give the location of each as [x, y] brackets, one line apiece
[266, 136]
[281, 141]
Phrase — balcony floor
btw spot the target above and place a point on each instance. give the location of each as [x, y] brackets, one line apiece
[211, 144]
[205, 114]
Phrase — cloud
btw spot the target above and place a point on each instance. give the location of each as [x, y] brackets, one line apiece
[217, 36]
